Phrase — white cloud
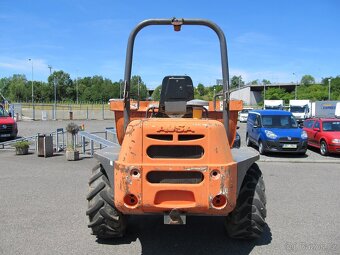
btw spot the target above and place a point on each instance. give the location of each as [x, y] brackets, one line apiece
[24, 65]
[273, 76]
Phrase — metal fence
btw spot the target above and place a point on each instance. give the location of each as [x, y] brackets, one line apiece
[62, 111]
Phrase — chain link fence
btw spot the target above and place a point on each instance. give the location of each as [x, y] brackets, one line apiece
[27, 111]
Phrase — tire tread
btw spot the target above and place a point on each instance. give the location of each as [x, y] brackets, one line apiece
[247, 221]
[104, 219]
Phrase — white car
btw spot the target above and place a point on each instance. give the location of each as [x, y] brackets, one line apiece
[243, 115]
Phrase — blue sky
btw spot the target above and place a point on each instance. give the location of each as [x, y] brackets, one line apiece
[266, 39]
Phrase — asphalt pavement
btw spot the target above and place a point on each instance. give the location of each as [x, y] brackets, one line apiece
[29, 128]
[43, 205]
[312, 155]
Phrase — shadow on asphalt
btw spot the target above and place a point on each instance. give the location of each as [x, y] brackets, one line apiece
[29, 153]
[201, 235]
[297, 156]
[280, 154]
[316, 150]
[284, 155]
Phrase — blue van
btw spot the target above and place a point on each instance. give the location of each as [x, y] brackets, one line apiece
[275, 131]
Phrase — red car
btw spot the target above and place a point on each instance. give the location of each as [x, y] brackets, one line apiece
[323, 133]
[8, 126]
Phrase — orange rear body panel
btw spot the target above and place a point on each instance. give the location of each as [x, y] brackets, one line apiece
[156, 147]
[118, 106]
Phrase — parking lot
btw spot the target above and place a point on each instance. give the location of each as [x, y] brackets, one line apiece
[43, 204]
[312, 155]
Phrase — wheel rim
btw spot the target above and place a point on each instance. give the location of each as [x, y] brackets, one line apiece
[323, 148]
[261, 147]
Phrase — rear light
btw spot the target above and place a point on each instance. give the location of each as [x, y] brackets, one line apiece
[219, 201]
[130, 200]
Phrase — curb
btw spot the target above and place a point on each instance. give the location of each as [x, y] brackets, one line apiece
[299, 161]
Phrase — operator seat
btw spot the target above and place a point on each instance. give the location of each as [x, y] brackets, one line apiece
[176, 92]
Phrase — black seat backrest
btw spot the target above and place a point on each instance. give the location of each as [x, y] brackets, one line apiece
[175, 89]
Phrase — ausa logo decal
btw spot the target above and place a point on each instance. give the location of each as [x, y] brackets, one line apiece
[175, 129]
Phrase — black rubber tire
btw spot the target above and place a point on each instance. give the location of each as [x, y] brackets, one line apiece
[324, 148]
[248, 143]
[105, 220]
[247, 221]
[261, 148]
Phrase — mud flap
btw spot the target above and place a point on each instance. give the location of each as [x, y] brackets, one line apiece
[244, 157]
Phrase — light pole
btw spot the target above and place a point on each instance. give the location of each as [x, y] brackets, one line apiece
[55, 98]
[120, 89]
[77, 85]
[54, 106]
[264, 92]
[33, 112]
[77, 89]
[329, 88]
[239, 81]
[295, 86]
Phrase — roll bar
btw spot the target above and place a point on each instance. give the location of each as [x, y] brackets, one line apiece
[177, 23]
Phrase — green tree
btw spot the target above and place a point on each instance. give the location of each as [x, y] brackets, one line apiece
[312, 92]
[84, 89]
[236, 81]
[278, 94]
[136, 81]
[255, 82]
[156, 95]
[97, 89]
[4, 87]
[39, 91]
[65, 88]
[47, 92]
[307, 79]
[19, 88]
[264, 81]
[335, 87]
[201, 89]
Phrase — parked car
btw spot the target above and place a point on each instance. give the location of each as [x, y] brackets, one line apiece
[243, 115]
[323, 133]
[237, 142]
[275, 131]
[8, 126]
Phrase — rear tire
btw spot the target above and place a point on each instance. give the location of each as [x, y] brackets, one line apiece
[323, 148]
[247, 221]
[247, 140]
[261, 148]
[105, 220]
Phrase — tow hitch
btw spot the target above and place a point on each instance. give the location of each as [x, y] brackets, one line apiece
[174, 217]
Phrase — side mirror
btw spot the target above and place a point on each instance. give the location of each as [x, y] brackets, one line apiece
[316, 129]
